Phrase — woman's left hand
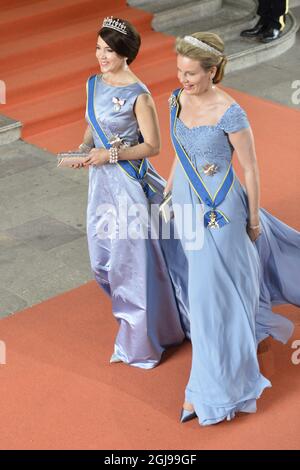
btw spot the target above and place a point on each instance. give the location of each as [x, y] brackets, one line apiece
[97, 157]
[253, 233]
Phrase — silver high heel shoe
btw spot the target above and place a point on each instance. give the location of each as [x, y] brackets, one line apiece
[187, 415]
[115, 358]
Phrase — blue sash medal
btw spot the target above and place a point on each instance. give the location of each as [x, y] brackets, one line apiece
[137, 173]
[214, 218]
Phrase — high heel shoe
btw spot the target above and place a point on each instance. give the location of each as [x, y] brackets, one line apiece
[187, 415]
[115, 358]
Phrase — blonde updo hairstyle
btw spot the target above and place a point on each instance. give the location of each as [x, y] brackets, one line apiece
[207, 59]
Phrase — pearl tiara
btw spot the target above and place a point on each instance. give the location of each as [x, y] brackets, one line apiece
[202, 45]
[116, 24]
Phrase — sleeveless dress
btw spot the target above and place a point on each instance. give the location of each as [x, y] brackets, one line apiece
[233, 282]
[145, 284]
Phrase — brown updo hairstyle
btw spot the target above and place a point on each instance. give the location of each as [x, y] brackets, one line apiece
[126, 45]
[207, 59]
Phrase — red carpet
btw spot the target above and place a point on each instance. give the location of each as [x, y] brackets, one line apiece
[57, 389]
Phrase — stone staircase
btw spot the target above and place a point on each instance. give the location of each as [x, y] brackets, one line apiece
[224, 17]
[47, 52]
[10, 130]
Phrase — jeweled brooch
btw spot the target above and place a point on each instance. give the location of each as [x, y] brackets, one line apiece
[118, 103]
[210, 169]
[172, 101]
[116, 141]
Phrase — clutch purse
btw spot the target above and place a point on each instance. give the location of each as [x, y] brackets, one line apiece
[166, 209]
[67, 159]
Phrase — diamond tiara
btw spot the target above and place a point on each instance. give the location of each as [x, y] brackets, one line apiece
[110, 22]
[202, 45]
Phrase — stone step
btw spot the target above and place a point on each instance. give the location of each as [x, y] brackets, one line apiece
[244, 53]
[188, 12]
[294, 3]
[10, 130]
[227, 19]
[155, 6]
[230, 20]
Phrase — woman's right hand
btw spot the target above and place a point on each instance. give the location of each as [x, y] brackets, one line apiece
[169, 184]
[77, 165]
[253, 232]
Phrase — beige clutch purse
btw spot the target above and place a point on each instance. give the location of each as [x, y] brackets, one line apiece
[166, 209]
[67, 159]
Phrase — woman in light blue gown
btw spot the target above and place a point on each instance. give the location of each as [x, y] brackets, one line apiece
[249, 260]
[137, 270]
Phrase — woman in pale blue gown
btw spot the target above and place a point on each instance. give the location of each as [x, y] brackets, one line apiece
[249, 260]
[139, 273]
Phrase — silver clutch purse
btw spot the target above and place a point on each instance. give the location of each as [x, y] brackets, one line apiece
[67, 159]
[166, 208]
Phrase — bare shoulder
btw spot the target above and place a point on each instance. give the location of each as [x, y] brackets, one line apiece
[144, 104]
[182, 98]
[144, 99]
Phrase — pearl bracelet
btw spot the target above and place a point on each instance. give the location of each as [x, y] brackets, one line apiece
[113, 154]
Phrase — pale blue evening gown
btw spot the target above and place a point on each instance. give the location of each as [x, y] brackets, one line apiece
[233, 282]
[145, 278]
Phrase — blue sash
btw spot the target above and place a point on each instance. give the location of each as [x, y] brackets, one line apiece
[214, 218]
[126, 165]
